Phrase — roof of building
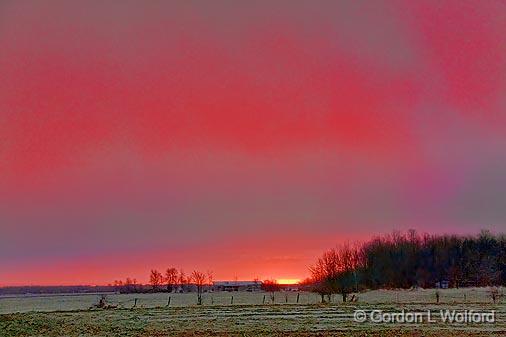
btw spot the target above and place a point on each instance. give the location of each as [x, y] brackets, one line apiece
[237, 283]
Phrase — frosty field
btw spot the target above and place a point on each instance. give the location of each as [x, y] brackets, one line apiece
[69, 315]
[67, 302]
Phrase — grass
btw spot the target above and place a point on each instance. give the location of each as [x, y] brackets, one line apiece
[335, 319]
[47, 303]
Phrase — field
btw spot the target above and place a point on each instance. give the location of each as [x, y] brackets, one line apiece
[69, 315]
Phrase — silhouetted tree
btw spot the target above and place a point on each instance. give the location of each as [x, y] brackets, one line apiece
[181, 280]
[402, 260]
[155, 279]
[336, 271]
[323, 274]
[199, 279]
[171, 278]
[271, 286]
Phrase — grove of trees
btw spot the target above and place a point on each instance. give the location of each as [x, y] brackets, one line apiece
[170, 281]
[405, 260]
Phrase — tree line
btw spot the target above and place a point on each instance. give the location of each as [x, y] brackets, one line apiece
[405, 260]
[171, 280]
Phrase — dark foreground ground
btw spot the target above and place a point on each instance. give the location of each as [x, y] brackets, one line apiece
[251, 320]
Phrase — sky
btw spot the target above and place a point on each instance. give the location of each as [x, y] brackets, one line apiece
[242, 137]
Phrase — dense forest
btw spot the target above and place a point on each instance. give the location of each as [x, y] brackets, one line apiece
[405, 260]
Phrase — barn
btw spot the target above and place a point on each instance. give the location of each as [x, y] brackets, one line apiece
[237, 285]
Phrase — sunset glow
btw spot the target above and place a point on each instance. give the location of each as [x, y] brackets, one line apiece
[243, 139]
[288, 281]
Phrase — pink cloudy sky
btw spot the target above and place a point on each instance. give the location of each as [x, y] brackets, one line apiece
[241, 138]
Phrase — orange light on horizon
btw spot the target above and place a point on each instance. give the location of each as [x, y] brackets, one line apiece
[288, 281]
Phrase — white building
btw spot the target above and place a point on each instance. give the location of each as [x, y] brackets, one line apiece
[237, 285]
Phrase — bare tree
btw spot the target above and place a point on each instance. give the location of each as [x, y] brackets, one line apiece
[199, 279]
[347, 265]
[118, 285]
[130, 286]
[155, 279]
[336, 272]
[182, 279]
[171, 278]
[321, 274]
[271, 286]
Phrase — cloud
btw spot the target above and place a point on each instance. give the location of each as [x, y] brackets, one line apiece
[128, 127]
